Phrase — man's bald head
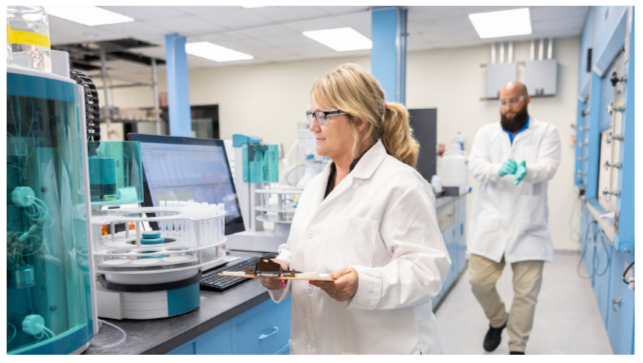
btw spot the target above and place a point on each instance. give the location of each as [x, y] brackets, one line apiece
[515, 89]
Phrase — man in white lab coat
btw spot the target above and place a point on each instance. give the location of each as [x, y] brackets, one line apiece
[513, 160]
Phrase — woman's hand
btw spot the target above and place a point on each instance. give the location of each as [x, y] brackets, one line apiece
[274, 284]
[344, 287]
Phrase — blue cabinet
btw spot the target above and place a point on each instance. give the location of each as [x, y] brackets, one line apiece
[620, 309]
[453, 233]
[264, 329]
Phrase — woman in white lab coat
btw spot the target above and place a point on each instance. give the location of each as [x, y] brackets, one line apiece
[368, 219]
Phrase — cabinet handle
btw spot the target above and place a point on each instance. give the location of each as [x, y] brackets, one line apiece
[264, 336]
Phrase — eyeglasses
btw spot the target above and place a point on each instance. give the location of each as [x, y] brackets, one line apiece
[324, 117]
[513, 100]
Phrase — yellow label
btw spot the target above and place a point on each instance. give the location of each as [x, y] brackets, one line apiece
[23, 37]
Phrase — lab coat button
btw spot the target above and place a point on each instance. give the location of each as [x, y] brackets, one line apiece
[311, 345]
[310, 235]
[310, 290]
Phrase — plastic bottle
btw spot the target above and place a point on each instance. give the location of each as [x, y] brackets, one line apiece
[28, 36]
[459, 139]
[454, 168]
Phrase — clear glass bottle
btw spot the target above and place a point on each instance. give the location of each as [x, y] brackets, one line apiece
[28, 36]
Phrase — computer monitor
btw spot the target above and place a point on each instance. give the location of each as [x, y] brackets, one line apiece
[185, 168]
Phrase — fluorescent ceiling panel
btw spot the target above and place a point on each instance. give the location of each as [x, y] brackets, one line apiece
[215, 52]
[341, 39]
[87, 15]
[504, 23]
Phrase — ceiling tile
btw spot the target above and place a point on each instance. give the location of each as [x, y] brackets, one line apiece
[326, 22]
[272, 52]
[336, 10]
[216, 38]
[289, 40]
[267, 31]
[289, 13]
[438, 34]
[248, 46]
[486, 9]
[132, 29]
[434, 12]
[543, 13]
[240, 19]
[185, 25]
[145, 12]
[364, 30]
[554, 25]
[443, 24]
[59, 24]
[356, 19]
[194, 10]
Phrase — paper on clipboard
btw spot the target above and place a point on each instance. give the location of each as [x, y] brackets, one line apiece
[307, 276]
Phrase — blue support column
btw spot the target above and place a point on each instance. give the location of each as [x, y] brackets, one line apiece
[388, 56]
[178, 90]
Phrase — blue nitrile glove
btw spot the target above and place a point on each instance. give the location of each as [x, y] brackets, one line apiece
[508, 167]
[521, 171]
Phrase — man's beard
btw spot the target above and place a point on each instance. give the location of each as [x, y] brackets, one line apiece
[517, 122]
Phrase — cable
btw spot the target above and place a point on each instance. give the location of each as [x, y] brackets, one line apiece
[625, 273]
[582, 255]
[609, 260]
[15, 331]
[103, 347]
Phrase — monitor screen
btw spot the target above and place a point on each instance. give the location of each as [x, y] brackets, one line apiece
[183, 169]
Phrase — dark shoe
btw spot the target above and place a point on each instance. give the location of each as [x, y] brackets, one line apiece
[516, 353]
[493, 337]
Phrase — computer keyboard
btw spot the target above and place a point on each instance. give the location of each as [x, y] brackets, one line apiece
[211, 279]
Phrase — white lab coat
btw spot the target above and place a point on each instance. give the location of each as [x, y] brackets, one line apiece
[381, 220]
[507, 219]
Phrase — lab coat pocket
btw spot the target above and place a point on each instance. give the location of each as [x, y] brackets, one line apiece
[532, 213]
[349, 241]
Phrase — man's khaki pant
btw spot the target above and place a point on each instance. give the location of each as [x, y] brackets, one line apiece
[527, 279]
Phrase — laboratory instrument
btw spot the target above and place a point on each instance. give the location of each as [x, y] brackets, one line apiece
[49, 299]
[151, 268]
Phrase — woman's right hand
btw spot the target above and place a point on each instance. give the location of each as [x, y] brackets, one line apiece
[274, 284]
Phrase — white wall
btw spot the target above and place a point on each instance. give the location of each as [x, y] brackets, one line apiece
[269, 100]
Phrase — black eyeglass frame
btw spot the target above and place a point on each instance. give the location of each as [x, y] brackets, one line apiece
[325, 113]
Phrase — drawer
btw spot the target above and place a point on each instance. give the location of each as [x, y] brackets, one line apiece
[263, 330]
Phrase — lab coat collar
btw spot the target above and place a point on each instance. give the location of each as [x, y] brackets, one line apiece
[370, 161]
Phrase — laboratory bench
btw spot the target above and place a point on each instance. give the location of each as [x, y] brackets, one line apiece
[243, 319]
[240, 320]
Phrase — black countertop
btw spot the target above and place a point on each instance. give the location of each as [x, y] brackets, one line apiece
[159, 336]
[444, 201]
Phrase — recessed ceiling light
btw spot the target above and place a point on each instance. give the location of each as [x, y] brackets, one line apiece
[87, 15]
[215, 52]
[504, 23]
[341, 39]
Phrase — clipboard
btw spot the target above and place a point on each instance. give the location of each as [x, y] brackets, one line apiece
[306, 276]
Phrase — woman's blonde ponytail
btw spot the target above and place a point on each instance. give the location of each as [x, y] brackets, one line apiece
[397, 135]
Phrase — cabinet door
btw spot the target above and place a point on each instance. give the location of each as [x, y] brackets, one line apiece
[216, 341]
[265, 329]
[620, 312]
